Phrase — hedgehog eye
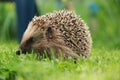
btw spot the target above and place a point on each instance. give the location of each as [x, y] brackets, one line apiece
[29, 41]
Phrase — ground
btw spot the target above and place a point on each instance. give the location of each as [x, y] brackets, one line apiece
[102, 64]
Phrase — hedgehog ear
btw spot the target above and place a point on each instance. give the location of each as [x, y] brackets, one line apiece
[49, 33]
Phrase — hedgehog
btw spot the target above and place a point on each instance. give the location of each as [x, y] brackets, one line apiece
[62, 31]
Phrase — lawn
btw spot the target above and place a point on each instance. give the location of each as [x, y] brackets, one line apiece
[103, 19]
[102, 64]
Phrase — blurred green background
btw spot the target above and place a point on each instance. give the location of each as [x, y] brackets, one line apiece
[102, 17]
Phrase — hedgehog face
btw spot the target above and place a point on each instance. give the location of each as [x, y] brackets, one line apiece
[33, 37]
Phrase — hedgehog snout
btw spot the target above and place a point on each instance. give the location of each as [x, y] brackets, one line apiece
[18, 52]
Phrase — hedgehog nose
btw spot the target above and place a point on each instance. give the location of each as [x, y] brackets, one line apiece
[18, 52]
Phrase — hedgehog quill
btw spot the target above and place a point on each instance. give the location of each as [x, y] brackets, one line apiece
[63, 31]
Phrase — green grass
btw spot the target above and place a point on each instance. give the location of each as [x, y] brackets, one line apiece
[102, 64]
